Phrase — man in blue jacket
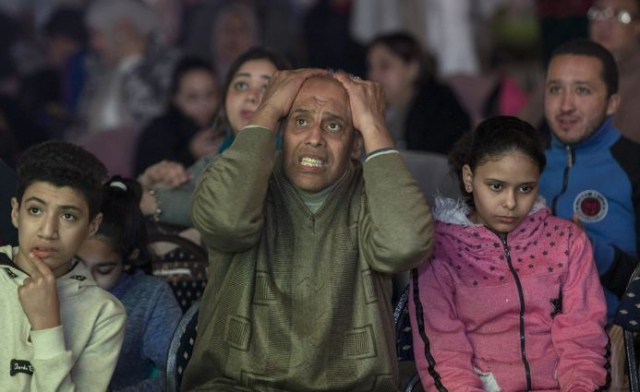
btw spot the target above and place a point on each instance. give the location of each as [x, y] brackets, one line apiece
[593, 172]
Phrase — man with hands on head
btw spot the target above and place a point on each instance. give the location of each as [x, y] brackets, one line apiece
[302, 244]
[60, 331]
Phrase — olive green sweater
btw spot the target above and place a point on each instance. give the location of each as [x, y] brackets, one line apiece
[298, 301]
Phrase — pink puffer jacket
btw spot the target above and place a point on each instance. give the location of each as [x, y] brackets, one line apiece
[523, 313]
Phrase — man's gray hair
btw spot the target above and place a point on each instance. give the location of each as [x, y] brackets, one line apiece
[105, 14]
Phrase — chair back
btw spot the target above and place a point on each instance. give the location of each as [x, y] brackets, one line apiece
[182, 263]
[181, 347]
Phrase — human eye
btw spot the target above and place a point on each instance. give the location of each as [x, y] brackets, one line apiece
[526, 188]
[68, 216]
[240, 86]
[301, 122]
[263, 88]
[105, 269]
[34, 210]
[581, 90]
[495, 186]
[553, 89]
[333, 127]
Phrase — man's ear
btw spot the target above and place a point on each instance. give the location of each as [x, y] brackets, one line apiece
[356, 152]
[94, 225]
[414, 71]
[612, 104]
[15, 211]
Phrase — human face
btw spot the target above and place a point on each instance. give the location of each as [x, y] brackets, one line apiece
[52, 223]
[576, 100]
[245, 92]
[396, 76]
[102, 260]
[504, 190]
[621, 39]
[318, 138]
[196, 96]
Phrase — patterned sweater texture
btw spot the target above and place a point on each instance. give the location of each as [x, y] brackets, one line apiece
[300, 301]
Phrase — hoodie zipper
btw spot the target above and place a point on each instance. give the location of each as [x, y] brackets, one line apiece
[527, 370]
[565, 178]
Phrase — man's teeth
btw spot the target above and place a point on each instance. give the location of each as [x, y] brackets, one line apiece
[313, 162]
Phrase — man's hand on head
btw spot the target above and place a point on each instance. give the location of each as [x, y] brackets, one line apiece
[39, 296]
[367, 102]
[281, 92]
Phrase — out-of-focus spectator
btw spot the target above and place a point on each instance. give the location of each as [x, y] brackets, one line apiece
[328, 40]
[127, 82]
[422, 114]
[184, 132]
[50, 94]
[615, 24]
[445, 27]
[222, 29]
[561, 21]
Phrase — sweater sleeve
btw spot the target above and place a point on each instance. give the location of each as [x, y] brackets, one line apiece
[176, 203]
[397, 227]
[54, 366]
[444, 351]
[577, 332]
[228, 203]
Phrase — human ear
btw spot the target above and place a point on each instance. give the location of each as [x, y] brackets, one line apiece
[94, 225]
[467, 178]
[612, 103]
[15, 211]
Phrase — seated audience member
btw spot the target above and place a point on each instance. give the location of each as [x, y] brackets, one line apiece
[422, 113]
[168, 186]
[184, 132]
[615, 24]
[302, 248]
[117, 256]
[128, 77]
[63, 332]
[592, 171]
[510, 300]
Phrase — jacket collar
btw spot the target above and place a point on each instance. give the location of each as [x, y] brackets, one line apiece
[602, 138]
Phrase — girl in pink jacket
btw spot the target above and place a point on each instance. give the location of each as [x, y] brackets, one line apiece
[510, 300]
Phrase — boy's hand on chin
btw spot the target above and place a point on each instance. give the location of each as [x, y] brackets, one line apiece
[39, 297]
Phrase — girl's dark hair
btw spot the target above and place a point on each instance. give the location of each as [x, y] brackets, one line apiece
[123, 225]
[493, 138]
[186, 65]
[407, 48]
[255, 53]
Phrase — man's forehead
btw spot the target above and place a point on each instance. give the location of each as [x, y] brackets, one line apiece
[574, 63]
[323, 91]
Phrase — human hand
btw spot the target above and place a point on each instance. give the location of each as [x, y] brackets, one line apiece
[165, 174]
[205, 142]
[281, 92]
[38, 296]
[367, 103]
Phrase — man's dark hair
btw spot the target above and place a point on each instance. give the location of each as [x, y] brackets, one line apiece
[63, 164]
[585, 47]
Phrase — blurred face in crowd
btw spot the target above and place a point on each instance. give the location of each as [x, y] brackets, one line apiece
[197, 96]
[396, 76]
[246, 91]
[318, 138]
[104, 262]
[576, 101]
[615, 24]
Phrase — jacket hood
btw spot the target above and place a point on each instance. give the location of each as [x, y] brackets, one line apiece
[456, 211]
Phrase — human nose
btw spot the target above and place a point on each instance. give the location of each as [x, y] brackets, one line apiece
[510, 200]
[49, 227]
[315, 136]
[254, 95]
[567, 102]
